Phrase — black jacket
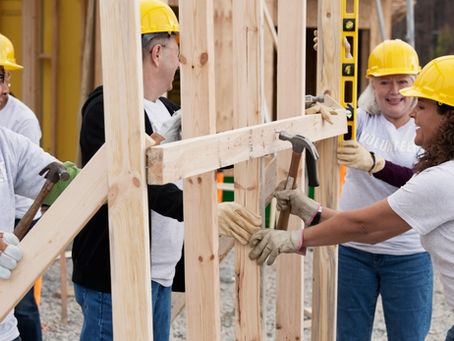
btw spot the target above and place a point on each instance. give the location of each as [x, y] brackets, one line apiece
[91, 258]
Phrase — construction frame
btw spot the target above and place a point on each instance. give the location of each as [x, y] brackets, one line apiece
[121, 169]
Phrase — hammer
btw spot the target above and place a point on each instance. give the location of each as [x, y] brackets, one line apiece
[312, 99]
[299, 143]
[54, 172]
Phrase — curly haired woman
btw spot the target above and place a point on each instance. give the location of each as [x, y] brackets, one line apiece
[424, 204]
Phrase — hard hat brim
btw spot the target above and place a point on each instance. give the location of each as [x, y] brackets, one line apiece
[11, 66]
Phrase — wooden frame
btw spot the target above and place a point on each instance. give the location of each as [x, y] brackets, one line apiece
[118, 171]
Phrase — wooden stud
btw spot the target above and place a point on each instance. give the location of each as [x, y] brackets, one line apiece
[324, 290]
[200, 208]
[125, 144]
[175, 160]
[30, 52]
[248, 110]
[290, 102]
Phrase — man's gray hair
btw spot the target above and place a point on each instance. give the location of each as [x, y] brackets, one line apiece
[149, 40]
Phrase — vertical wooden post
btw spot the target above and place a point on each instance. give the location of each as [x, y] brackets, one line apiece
[324, 291]
[200, 209]
[291, 64]
[127, 196]
[30, 52]
[248, 106]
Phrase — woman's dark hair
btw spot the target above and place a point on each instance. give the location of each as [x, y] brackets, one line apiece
[443, 148]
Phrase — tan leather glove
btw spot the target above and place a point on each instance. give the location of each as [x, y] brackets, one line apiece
[235, 220]
[353, 154]
[300, 204]
[320, 108]
[10, 254]
[269, 243]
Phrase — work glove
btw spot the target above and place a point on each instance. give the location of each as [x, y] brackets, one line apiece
[10, 254]
[300, 204]
[269, 243]
[235, 220]
[320, 108]
[315, 40]
[61, 185]
[171, 129]
[353, 154]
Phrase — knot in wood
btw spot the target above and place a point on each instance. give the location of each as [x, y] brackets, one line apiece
[183, 59]
[136, 181]
[203, 58]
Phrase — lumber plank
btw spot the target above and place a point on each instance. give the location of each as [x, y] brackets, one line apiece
[55, 230]
[248, 103]
[175, 160]
[291, 76]
[125, 148]
[324, 290]
[178, 298]
[200, 208]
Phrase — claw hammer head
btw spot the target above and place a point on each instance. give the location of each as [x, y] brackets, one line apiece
[299, 143]
[312, 99]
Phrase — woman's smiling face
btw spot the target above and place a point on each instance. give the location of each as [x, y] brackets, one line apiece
[428, 122]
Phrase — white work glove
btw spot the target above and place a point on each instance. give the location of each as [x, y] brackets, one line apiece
[10, 254]
[353, 154]
[269, 243]
[320, 108]
[315, 40]
[235, 220]
[171, 129]
[300, 204]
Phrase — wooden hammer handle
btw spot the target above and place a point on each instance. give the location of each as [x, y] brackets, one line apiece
[284, 215]
[24, 224]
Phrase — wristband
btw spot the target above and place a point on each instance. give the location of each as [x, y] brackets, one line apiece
[301, 250]
[314, 217]
[372, 154]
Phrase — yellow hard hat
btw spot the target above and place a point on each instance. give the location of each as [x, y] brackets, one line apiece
[393, 57]
[7, 59]
[435, 82]
[156, 16]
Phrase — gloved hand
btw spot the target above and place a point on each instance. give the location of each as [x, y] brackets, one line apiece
[315, 40]
[269, 243]
[353, 154]
[235, 220]
[320, 108]
[300, 204]
[61, 185]
[10, 254]
[171, 129]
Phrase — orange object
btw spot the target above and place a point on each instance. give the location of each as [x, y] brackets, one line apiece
[37, 290]
[343, 172]
[220, 179]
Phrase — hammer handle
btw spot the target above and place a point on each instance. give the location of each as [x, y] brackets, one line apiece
[24, 223]
[284, 215]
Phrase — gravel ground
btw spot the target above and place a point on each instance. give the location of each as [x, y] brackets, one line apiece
[55, 329]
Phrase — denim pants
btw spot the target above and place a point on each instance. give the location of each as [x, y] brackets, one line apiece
[97, 311]
[405, 284]
[450, 334]
[27, 313]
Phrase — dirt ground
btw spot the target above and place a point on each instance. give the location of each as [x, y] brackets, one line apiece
[54, 329]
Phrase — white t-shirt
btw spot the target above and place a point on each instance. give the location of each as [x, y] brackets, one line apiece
[380, 136]
[16, 116]
[426, 203]
[20, 162]
[167, 234]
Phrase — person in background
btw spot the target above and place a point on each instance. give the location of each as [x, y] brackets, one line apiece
[399, 269]
[17, 117]
[423, 204]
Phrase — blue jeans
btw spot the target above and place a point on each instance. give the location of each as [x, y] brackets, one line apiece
[27, 313]
[97, 311]
[450, 335]
[405, 284]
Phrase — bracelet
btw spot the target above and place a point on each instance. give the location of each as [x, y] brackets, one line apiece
[373, 161]
[301, 250]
